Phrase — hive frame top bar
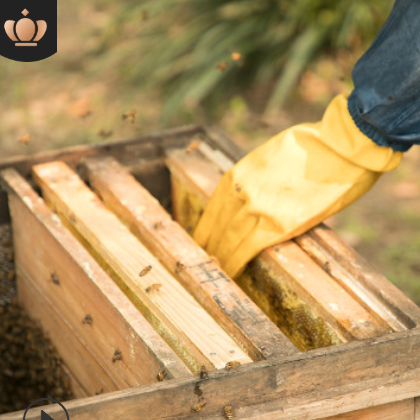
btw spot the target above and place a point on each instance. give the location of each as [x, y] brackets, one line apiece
[126, 150]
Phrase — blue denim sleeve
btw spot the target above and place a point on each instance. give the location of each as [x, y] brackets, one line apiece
[385, 102]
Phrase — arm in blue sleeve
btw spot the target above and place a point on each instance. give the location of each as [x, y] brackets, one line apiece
[385, 103]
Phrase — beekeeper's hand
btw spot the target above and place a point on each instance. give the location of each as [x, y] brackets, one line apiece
[289, 184]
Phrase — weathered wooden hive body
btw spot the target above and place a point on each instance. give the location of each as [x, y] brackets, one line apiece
[150, 327]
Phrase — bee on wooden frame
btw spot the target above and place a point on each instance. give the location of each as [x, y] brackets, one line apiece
[199, 406]
[228, 412]
[161, 376]
[145, 270]
[180, 267]
[117, 356]
[234, 364]
[203, 373]
[153, 288]
[192, 146]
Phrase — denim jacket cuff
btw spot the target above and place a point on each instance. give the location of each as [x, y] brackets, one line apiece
[370, 131]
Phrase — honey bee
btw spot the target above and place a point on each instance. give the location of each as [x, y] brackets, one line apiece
[130, 115]
[11, 274]
[7, 242]
[192, 146]
[88, 319]
[228, 412]
[104, 133]
[54, 278]
[144, 15]
[235, 56]
[327, 267]
[145, 270]
[222, 66]
[238, 188]
[199, 406]
[154, 287]
[203, 373]
[25, 139]
[158, 225]
[180, 267]
[161, 376]
[234, 364]
[84, 114]
[117, 356]
[10, 255]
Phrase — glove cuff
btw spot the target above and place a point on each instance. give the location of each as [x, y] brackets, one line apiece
[370, 131]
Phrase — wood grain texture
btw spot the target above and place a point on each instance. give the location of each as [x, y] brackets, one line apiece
[417, 408]
[287, 262]
[360, 275]
[307, 386]
[78, 360]
[174, 313]
[201, 275]
[401, 410]
[45, 248]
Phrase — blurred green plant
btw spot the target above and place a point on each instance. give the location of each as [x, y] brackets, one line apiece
[185, 47]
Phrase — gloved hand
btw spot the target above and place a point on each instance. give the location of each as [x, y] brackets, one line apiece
[289, 184]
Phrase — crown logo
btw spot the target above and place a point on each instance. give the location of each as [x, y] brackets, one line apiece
[25, 30]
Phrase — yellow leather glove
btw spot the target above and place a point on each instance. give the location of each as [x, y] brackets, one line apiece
[289, 184]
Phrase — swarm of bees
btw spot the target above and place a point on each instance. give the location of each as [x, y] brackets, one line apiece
[234, 364]
[130, 116]
[88, 319]
[145, 270]
[228, 410]
[199, 406]
[25, 139]
[161, 376]
[154, 287]
[117, 356]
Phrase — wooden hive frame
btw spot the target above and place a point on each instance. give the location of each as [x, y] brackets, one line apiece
[376, 376]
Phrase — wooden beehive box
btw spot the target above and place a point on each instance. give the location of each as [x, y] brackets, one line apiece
[147, 320]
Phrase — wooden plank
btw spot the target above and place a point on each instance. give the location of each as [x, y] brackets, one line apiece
[306, 386]
[328, 247]
[285, 269]
[202, 342]
[401, 410]
[340, 260]
[76, 386]
[85, 289]
[202, 277]
[78, 360]
[125, 150]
